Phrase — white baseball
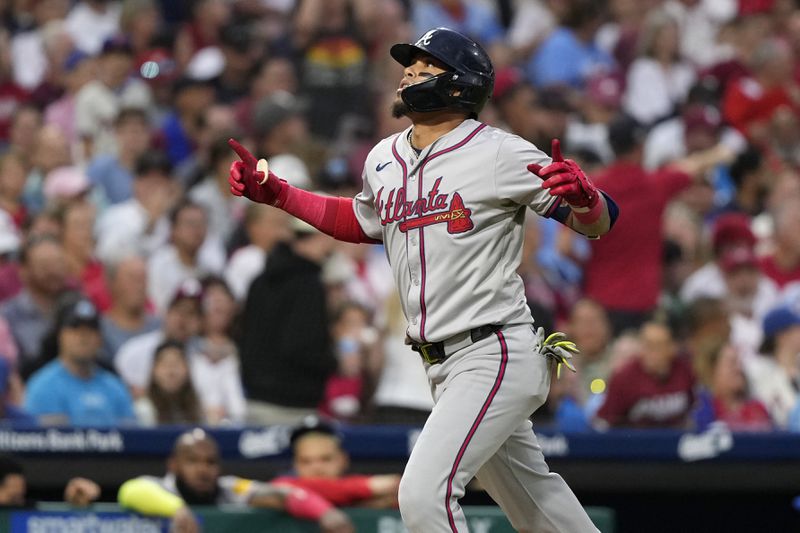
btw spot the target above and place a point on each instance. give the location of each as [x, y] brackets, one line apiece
[263, 166]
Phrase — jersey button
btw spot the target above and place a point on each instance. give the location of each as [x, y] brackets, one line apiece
[413, 321]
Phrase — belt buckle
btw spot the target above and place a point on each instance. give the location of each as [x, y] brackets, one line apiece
[426, 355]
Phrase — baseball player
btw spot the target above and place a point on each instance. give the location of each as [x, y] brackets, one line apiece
[447, 197]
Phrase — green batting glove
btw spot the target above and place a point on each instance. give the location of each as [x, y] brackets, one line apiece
[557, 347]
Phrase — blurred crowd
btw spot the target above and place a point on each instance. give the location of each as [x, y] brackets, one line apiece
[135, 289]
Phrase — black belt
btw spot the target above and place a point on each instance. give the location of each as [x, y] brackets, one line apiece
[436, 352]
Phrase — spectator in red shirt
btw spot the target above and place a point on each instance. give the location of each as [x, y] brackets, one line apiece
[783, 263]
[637, 238]
[730, 395]
[77, 237]
[653, 389]
[750, 103]
[320, 464]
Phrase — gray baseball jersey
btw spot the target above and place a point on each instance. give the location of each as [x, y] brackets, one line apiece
[451, 219]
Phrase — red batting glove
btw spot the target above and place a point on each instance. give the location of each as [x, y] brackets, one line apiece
[246, 181]
[565, 178]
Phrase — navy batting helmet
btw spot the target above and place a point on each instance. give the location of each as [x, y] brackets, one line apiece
[468, 83]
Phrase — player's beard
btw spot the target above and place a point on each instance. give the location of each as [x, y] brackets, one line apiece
[400, 109]
[193, 497]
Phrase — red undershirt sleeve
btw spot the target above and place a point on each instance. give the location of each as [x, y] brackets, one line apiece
[347, 490]
[331, 215]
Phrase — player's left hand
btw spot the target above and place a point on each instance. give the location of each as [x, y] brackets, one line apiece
[557, 348]
[247, 180]
[564, 178]
[81, 492]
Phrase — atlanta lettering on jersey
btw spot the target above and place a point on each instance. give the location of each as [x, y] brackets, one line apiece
[425, 211]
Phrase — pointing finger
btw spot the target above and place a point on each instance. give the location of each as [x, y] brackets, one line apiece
[243, 153]
[555, 149]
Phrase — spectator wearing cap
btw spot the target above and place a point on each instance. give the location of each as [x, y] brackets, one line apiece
[514, 98]
[78, 70]
[733, 249]
[569, 53]
[140, 224]
[601, 103]
[182, 323]
[129, 314]
[112, 175]
[320, 465]
[775, 373]
[748, 295]
[29, 314]
[286, 347]
[782, 263]
[98, 102]
[180, 131]
[240, 51]
[73, 389]
[659, 79]
[65, 185]
[637, 237]
[183, 257]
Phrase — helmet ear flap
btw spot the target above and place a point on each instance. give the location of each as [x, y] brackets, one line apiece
[433, 94]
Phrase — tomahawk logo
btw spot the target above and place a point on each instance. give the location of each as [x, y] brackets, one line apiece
[425, 40]
[426, 211]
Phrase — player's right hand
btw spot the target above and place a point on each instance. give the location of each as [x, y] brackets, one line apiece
[335, 521]
[246, 180]
[564, 178]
